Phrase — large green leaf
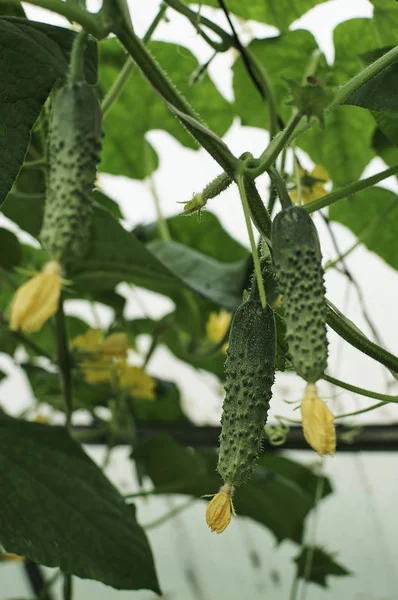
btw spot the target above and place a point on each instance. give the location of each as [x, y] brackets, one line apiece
[116, 255]
[284, 56]
[380, 93]
[385, 17]
[220, 282]
[372, 206]
[39, 56]
[344, 146]
[274, 12]
[140, 109]
[323, 564]
[59, 510]
[279, 496]
[352, 39]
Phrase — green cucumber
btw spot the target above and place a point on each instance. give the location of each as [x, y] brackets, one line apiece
[250, 371]
[74, 145]
[300, 277]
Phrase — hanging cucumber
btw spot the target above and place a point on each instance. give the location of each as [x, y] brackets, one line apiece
[74, 147]
[300, 277]
[250, 370]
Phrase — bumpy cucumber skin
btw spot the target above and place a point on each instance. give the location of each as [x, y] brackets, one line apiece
[74, 146]
[250, 371]
[300, 277]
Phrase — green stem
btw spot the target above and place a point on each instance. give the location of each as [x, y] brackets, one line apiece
[128, 68]
[359, 412]
[295, 587]
[67, 587]
[196, 19]
[271, 153]
[256, 260]
[280, 187]
[70, 10]
[64, 363]
[349, 190]
[32, 164]
[76, 66]
[162, 223]
[361, 391]
[348, 331]
[169, 515]
[160, 82]
[296, 169]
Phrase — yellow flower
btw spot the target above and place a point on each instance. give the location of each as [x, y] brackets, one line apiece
[312, 185]
[218, 513]
[90, 341]
[100, 366]
[136, 381]
[318, 425]
[217, 326]
[37, 299]
[115, 345]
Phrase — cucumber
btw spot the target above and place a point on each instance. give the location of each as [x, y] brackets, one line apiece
[250, 371]
[74, 145]
[300, 277]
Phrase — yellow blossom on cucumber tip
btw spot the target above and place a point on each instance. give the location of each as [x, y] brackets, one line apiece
[218, 513]
[37, 300]
[318, 422]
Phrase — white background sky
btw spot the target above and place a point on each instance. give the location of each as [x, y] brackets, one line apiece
[358, 521]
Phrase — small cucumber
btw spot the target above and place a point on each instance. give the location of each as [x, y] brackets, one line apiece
[74, 145]
[300, 277]
[250, 370]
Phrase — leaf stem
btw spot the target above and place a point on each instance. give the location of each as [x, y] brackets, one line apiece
[72, 11]
[349, 190]
[169, 515]
[128, 68]
[67, 587]
[361, 391]
[256, 260]
[276, 145]
[363, 410]
[64, 363]
[76, 66]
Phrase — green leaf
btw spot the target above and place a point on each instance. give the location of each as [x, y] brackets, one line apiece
[39, 55]
[371, 206]
[10, 249]
[11, 9]
[116, 255]
[344, 146]
[279, 495]
[352, 39]
[385, 18]
[59, 510]
[280, 13]
[383, 146]
[206, 235]
[282, 57]
[323, 565]
[220, 282]
[139, 109]
[379, 93]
